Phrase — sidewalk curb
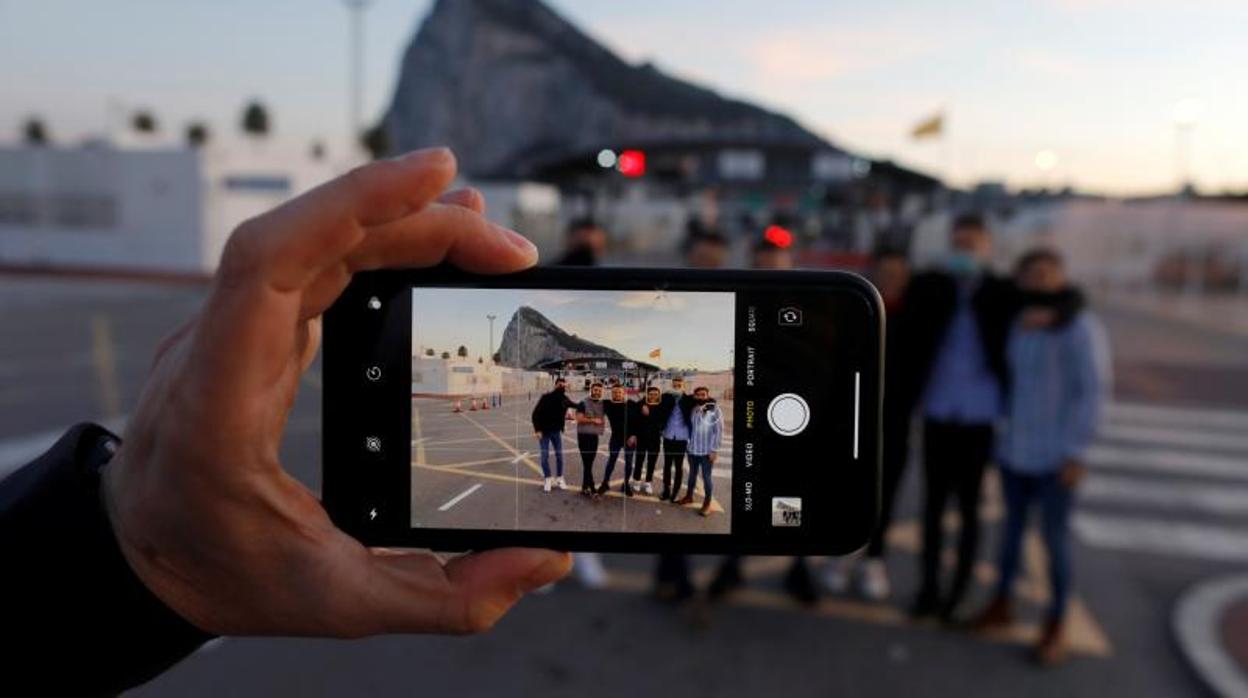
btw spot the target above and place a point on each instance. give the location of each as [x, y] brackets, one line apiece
[1195, 623]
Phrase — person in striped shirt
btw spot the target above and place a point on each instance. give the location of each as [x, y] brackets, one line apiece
[706, 432]
[1059, 375]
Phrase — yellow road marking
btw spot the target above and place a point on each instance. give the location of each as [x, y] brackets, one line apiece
[418, 435]
[105, 359]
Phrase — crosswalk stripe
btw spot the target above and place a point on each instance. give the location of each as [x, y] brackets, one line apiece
[1174, 437]
[1168, 461]
[1168, 495]
[1169, 538]
[1199, 417]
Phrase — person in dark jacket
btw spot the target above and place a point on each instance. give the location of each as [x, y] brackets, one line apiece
[618, 410]
[549, 415]
[648, 430]
[890, 273]
[122, 556]
[958, 319]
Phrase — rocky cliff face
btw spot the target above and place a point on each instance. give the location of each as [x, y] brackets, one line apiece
[510, 86]
[531, 339]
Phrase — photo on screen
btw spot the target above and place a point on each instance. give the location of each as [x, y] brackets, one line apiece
[570, 410]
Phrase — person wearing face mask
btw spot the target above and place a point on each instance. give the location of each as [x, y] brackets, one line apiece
[590, 421]
[1059, 371]
[958, 318]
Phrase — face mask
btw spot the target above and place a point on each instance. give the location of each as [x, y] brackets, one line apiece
[963, 264]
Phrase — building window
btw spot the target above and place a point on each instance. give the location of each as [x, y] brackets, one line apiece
[83, 211]
[18, 208]
[742, 164]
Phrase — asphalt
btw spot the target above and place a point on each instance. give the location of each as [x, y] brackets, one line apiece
[1153, 528]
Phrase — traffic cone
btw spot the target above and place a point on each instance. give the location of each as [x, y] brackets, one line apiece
[485, 404]
[458, 406]
[473, 404]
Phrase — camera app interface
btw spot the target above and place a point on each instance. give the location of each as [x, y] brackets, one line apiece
[574, 410]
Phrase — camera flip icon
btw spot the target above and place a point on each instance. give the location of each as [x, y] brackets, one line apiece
[790, 316]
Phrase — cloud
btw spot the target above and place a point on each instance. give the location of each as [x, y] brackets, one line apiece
[658, 301]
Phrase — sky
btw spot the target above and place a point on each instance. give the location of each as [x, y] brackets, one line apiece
[691, 329]
[1096, 83]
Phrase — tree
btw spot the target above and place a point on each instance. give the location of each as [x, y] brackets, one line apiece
[317, 150]
[446, 354]
[256, 119]
[462, 352]
[429, 352]
[376, 141]
[34, 132]
[480, 360]
[143, 121]
[495, 357]
[196, 134]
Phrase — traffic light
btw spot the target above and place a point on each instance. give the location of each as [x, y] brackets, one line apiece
[632, 163]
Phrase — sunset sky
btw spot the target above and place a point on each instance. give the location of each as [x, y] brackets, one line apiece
[692, 329]
[1096, 82]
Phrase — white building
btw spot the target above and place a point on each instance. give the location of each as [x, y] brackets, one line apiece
[138, 209]
[433, 376]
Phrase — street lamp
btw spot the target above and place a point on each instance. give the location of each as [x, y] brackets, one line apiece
[355, 84]
[489, 349]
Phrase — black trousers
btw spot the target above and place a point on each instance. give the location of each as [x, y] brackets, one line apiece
[648, 451]
[896, 434]
[954, 458]
[673, 456]
[588, 445]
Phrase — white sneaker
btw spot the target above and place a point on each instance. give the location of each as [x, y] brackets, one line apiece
[547, 483]
[836, 574]
[589, 570]
[874, 581]
[561, 483]
[649, 488]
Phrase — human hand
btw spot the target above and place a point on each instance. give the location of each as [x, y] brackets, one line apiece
[712, 456]
[632, 441]
[1072, 473]
[198, 500]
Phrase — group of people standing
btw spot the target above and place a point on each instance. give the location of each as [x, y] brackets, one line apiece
[1011, 371]
[673, 425]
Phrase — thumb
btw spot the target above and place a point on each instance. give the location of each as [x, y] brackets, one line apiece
[476, 589]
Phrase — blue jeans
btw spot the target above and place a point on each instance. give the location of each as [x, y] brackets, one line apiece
[1055, 502]
[551, 439]
[699, 464]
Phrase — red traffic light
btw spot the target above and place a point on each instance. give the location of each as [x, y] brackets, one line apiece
[778, 236]
[632, 163]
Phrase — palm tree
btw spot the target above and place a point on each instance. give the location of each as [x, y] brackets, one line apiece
[376, 141]
[446, 354]
[317, 150]
[196, 134]
[144, 122]
[256, 119]
[462, 351]
[34, 132]
[429, 352]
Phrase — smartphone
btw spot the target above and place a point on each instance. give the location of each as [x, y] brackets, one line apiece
[605, 409]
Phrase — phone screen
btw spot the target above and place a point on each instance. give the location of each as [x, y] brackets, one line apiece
[605, 410]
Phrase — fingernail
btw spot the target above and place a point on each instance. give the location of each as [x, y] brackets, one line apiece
[426, 156]
[520, 242]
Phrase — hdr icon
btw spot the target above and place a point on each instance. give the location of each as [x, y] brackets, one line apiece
[786, 511]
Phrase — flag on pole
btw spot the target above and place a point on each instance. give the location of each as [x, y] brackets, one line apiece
[931, 127]
[656, 353]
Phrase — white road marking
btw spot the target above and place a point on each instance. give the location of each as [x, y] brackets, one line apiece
[1177, 416]
[1183, 437]
[1163, 537]
[1211, 499]
[520, 457]
[460, 497]
[1168, 461]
